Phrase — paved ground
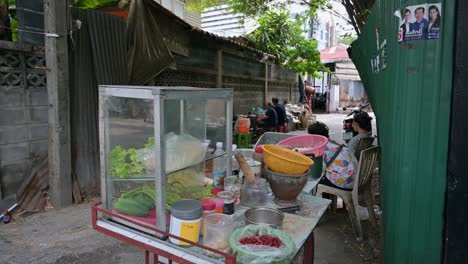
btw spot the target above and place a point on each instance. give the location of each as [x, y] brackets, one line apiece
[66, 237]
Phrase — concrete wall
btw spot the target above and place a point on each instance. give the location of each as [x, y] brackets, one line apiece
[352, 94]
[23, 114]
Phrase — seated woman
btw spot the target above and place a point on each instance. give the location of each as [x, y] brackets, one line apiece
[363, 126]
[340, 161]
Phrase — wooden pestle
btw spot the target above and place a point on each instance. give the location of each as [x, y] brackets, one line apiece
[245, 167]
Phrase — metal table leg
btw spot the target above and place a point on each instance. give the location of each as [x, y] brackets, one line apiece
[309, 249]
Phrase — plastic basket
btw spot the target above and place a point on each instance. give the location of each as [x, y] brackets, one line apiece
[315, 144]
[285, 161]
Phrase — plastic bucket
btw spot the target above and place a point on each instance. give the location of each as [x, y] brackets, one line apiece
[312, 144]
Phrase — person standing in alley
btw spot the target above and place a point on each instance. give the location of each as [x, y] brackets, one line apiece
[282, 118]
[310, 91]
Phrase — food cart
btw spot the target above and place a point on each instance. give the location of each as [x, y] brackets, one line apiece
[154, 143]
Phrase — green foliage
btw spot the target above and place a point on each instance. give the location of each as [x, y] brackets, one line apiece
[347, 39]
[283, 37]
[87, 4]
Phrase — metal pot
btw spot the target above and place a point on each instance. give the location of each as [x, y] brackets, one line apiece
[264, 216]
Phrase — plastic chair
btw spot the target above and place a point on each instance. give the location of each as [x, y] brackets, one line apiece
[364, 143]
[362, 185]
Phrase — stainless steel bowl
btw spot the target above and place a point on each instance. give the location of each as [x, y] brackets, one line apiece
[264, 216]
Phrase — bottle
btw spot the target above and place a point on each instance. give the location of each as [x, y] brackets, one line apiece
[219, 168]
[208, 163]
[235, 164]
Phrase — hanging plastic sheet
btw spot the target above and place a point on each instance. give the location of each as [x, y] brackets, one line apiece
[148, 54]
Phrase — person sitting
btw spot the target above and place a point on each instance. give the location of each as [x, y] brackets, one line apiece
[363, 126]
[282, 118]
[341, 165]
[269, 121]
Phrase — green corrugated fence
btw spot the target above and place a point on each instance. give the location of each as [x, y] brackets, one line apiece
[411, 96]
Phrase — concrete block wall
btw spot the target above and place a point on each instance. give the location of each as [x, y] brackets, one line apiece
[23, 115]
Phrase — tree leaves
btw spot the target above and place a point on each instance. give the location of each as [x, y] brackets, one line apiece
[282, 36]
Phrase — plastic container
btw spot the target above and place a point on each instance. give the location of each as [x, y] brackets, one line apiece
[234, 163]
[228, 199]
[256, 168]
[258, 156]
[306, 144]
[242, 123]
[219, 167]
[232, 184]
[209, 207]
[219, 204]
[254, 195]
[286, 161]
[217, 229]
[247, 153]
[185, 221]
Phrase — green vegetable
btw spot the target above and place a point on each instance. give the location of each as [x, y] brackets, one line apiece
[131, 207]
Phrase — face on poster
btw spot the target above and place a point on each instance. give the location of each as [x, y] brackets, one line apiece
[420, 22]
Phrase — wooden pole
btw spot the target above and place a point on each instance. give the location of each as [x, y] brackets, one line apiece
[56, 15]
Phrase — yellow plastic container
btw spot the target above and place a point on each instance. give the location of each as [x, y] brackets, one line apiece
[285, 161]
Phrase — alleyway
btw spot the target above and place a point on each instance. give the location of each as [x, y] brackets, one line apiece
[66, 236]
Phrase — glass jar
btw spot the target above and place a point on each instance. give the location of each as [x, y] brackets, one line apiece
[209, 207]
[218, 228]
[253, 195]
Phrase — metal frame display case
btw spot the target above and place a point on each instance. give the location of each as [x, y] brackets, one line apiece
[148, 134]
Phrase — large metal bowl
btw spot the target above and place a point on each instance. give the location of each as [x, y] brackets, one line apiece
[264, 216]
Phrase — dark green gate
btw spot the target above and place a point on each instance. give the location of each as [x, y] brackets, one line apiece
[410, 90]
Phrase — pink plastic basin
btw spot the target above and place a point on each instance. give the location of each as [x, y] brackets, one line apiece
[314, 144]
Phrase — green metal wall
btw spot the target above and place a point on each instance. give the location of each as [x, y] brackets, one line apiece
[411, 99]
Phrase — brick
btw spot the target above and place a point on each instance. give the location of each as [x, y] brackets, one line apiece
[39, 131]
[38, 150]
[38, 96]
[13, 175]
[11, 96]
[14, 152]
[13, 134]
[12, 115]
[38, 114]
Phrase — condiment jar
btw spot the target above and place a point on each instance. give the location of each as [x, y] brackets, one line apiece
[253, 195]
[218, 229]
[229, 199]
[209, 207]
[219, 204]
[258, 156]
[185, 221]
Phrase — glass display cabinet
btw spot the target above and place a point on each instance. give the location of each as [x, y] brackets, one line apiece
[154, 143]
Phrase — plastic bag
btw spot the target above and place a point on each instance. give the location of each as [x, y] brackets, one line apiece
[257, 254]
[181, 151]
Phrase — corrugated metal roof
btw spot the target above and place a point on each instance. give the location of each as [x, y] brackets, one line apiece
[110, 61]
[177, 19]
[335, 54]
[346, 71]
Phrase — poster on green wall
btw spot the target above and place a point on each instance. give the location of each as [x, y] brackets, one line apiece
[419, 22]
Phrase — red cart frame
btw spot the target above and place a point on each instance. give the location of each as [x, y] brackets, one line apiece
[308, 247]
